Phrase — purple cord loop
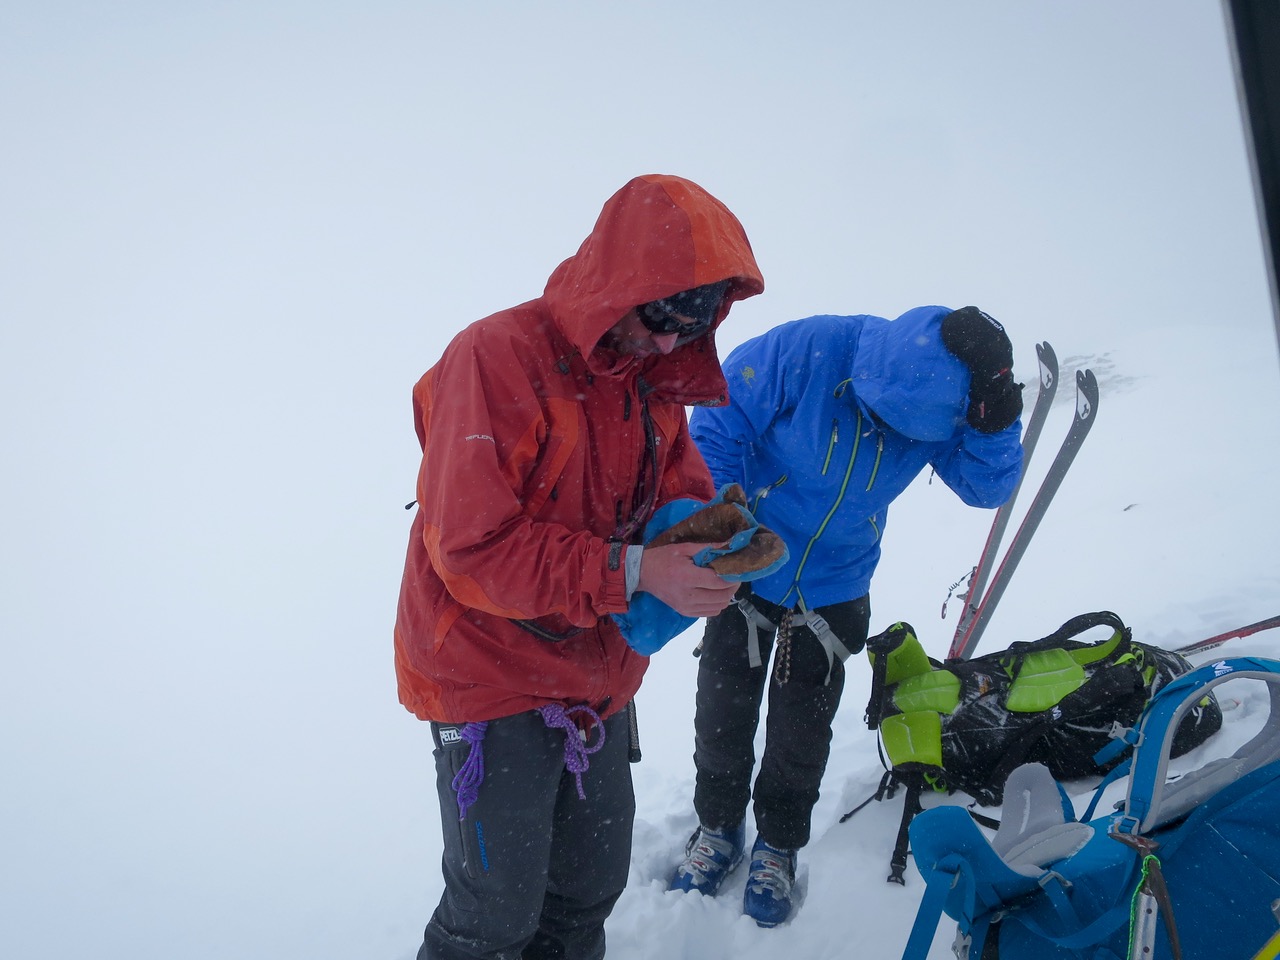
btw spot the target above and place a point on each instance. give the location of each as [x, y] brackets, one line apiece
[469, 777]
[558, 717]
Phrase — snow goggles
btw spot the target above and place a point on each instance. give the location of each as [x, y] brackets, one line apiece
[658, 320]
[697, 306]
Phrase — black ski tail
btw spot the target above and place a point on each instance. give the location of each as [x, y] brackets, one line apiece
[1086, 410]
[1048, 361]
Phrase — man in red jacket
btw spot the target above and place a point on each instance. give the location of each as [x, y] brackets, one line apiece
[550, 432]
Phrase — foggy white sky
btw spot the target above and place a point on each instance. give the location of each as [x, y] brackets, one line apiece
[232, 236]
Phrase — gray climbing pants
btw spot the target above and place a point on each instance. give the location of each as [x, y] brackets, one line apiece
[532, 871]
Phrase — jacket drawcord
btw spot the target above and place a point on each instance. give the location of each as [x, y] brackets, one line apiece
[557, 717]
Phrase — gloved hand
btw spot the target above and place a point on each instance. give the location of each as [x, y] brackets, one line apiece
[980, 343]
[731, 543]
[738, 545]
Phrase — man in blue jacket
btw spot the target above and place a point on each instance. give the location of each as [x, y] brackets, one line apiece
[829, 419]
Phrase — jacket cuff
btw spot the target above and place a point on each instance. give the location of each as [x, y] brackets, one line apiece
[634, 554]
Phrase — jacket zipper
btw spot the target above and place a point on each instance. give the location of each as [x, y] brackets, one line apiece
[755, 504]
[875, 467]
[831, 444]
[618, 507]
[844, 485]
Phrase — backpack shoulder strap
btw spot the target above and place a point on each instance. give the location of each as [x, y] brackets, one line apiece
[1145, 804]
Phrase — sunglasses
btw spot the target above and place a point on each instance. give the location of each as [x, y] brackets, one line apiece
[658, 320]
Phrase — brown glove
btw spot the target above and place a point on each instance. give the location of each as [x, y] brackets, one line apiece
[719, 523]
[764, 548]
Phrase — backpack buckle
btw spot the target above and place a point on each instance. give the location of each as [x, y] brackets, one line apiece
[1127, 824]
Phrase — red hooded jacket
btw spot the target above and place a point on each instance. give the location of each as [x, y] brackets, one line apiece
[543, 455]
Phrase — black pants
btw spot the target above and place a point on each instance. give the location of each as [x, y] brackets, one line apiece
[798, 727]
[533, 871]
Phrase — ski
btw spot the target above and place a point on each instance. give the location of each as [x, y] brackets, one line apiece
[1086, 410]
[1208, 643]
[978, 576]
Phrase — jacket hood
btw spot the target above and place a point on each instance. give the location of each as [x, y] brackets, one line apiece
[655, 237]
[904, 374]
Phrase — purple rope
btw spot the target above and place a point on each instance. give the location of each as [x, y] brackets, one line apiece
[469, 777]
[576, 751]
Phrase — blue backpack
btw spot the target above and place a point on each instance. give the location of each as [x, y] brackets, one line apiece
[1183, 868]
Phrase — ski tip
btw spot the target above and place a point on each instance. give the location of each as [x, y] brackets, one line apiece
[1048, 367]
[1086, 394]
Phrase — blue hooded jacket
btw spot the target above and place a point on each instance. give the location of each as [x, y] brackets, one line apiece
[829, 419]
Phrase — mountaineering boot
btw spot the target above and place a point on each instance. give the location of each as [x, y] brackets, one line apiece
[709, 857]
[767, 900]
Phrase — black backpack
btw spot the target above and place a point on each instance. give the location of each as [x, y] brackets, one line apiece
[967, 724]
